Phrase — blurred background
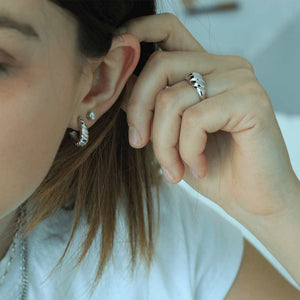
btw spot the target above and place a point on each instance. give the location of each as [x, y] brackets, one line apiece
[267, 33]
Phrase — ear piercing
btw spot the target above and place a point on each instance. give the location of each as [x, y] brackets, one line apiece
[91, 116]
[84, 133]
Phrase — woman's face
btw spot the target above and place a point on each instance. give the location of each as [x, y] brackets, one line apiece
[38, 92]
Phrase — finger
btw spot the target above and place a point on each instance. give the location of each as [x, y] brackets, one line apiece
[232, 111]
[166, 30]
[173, 101]
[166, 69]
[169, 107]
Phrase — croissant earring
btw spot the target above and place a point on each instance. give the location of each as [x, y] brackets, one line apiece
[84, 133]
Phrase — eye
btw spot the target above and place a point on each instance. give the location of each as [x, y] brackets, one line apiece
[4, 68]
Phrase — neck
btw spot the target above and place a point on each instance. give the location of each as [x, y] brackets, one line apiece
[7, 231]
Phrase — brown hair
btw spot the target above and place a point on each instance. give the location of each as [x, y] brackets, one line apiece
[94, 178]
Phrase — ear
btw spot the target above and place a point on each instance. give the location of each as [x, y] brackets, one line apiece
[104, 79]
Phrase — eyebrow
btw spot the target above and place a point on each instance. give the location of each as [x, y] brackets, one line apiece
[26, 29]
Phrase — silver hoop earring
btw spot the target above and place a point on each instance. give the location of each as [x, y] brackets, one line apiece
[84, 134]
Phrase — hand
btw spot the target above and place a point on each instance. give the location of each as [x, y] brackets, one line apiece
[232, 138]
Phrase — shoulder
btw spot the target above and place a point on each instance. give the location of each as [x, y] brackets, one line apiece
[258, 276]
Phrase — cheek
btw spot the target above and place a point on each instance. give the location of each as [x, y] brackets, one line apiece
[34, 118]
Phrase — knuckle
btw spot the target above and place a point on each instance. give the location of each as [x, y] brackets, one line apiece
[244, 73]
[190, 118]
[162, 101]
[166, 100]
[173, 18]
[245, 63]
[257, 95]
[132, 23]
[249, 66]
[157, 57]
[252, 87]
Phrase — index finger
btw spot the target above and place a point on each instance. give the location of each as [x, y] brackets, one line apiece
[166, 30]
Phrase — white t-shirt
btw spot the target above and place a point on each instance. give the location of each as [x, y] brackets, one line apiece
[198, 255]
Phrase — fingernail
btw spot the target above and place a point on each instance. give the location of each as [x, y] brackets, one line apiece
[121, 30]
[195, 173]
[134, 137]
[169, 176]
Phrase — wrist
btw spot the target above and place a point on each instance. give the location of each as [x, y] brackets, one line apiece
[290, 214]
[280, 234]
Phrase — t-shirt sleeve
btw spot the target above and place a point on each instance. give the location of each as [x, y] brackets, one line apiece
[199, 249]
[215, 247]
[218, 257]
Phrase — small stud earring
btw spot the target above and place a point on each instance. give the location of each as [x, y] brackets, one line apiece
[91, 116]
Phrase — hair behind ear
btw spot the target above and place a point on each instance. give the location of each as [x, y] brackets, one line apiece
[108, 174]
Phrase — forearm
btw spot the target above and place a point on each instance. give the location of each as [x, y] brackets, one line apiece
[281, 236]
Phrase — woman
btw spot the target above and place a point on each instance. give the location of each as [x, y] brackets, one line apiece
[65, 67]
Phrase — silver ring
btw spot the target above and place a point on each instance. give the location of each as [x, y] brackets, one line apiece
[196, 80]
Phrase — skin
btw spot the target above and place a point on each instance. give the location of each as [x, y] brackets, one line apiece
[77, 95]
[43, 94]
[231, 139]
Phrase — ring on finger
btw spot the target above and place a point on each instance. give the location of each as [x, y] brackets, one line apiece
[196, 80]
